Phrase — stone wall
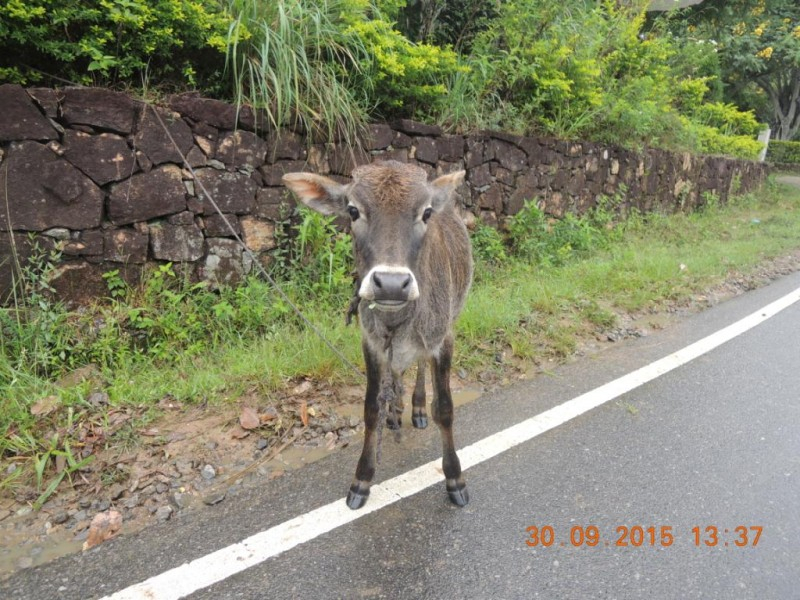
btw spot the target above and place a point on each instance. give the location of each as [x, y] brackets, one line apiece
[92, 173]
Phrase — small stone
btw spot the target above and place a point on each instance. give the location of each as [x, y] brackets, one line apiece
[25, 510]
[131, 502]
[161, 488]
[117, 491]
[80, 515]
[354, 421]
[181, 500]
[25, 562]
[184, 466]
[164, 512]
[149, 490]
[85, 503]
[208, 472]
[211, 445]
[60, 517]
[103, 505]
[58, 233]
[261, 443]
[214, 498]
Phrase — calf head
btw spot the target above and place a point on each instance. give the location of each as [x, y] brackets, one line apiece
[391, 206]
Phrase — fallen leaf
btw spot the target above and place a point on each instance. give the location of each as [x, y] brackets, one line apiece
[270, 414]
[168, 402]
[104, 526]
[44, 406]
[249, 418]
[239, 433]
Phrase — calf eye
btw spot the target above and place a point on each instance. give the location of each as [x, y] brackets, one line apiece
[427, 214]
[353, 212]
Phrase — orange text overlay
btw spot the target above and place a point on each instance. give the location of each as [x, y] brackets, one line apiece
[738, 536]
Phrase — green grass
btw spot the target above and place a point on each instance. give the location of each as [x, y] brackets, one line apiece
[535, 298]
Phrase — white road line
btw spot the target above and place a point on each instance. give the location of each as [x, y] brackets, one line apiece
[217, 566]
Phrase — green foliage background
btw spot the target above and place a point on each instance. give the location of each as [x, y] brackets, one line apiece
[601, 70]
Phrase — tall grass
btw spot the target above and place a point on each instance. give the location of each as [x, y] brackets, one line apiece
[292, 61]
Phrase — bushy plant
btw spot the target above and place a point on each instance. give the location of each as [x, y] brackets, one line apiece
[710, 140]
[108, 41]
[488, 245]
[727, 118]
[408, 79]
[783, 152]
[535, 237]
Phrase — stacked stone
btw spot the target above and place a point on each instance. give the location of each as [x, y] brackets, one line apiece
[94, 174]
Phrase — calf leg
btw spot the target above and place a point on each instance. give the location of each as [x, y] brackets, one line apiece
[443, 416]
[393, 399]
[365, 471]
[419, 418]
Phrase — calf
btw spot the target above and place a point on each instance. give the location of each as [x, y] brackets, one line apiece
[414, 264]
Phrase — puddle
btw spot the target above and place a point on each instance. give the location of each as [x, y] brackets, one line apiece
[18, 552]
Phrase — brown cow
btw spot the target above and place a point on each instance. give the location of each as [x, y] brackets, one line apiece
[414, 264]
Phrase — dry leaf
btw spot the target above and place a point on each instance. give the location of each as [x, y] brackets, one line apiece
[271, 414]
[249, 418]
[168, 402]
[44, 406]
[104, 526]
[239, 433]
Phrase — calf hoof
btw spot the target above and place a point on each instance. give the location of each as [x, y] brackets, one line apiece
[357, 497]
[458, 496]
[419, 421]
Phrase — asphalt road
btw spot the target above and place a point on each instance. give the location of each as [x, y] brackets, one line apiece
[714, 443]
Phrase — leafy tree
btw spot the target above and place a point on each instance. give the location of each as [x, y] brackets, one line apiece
[758, 42]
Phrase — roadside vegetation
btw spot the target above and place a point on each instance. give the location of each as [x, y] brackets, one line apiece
[702, 79]
[542, 287]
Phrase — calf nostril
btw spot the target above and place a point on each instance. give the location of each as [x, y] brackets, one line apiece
[406, 282]
[377, 281]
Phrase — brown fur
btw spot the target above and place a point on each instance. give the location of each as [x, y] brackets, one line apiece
[390, 232]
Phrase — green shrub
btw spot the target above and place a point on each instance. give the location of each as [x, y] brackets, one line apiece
[107, 41]
[727, 118]
[783, 152]
[488, 245]
[710, 140]
[407, 79]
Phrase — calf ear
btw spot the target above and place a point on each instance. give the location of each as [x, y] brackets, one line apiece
[317, 192]
[444, 186]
